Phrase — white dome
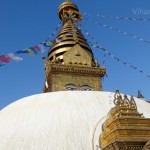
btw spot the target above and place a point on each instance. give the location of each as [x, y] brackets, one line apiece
[57, 121]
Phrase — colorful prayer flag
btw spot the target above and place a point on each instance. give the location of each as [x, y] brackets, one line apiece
[4, 59]
[21, 51]
[37, 48]
[30, 51]
[14, 57]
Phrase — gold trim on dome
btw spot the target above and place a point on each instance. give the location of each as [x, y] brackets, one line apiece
[125, 127]
[63, 43]
[59, 51]
[69, 42]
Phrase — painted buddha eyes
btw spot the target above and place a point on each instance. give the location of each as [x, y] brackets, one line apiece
[86, 88]
[72, 87]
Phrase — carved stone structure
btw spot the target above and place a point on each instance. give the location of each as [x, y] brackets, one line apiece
[147, 146]
[71, 61]
[125, 128]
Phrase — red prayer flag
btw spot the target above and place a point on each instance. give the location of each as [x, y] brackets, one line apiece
[4, 59]
[37, 48]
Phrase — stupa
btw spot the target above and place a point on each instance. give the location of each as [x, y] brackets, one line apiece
[74, 113]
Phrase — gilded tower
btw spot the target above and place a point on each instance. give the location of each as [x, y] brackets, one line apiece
[71, 64]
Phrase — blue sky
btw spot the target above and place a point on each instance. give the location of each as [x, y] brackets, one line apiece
[27, 23]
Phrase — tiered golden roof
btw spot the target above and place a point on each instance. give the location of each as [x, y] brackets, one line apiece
[70, 33]
[125, 127]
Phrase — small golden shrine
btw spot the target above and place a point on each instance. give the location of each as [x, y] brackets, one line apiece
[125, 128]
[71, 64]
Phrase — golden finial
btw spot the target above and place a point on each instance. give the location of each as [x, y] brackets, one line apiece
[117, 98]
[133, 105]
[124, 103]
[68, 8]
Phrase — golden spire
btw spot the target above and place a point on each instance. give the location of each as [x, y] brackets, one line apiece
[70, 34]
[70, 59]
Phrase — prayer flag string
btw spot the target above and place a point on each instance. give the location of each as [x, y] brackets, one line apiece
[118, 18]
[119, 31]
[5, 59]
[95, 44]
